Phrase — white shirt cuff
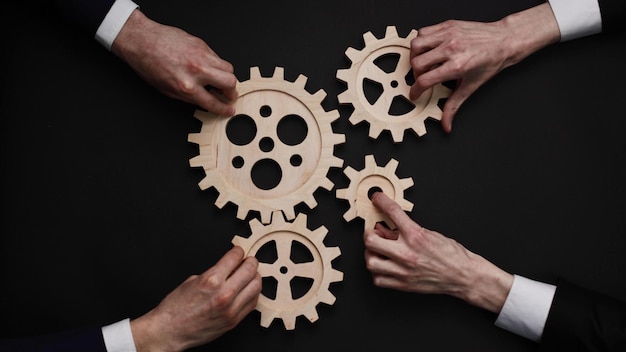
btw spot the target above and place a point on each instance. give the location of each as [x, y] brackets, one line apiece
[118, 337]
[526, 308]
[577, 18]
[114, 21]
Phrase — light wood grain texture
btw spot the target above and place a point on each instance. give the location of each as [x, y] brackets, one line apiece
[229, 166]
[373, 176]
[284, 269]
[395, 86]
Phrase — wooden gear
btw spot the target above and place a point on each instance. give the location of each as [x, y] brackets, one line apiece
[364, 67]
[320, 269]
[373, 176]
[228, 166]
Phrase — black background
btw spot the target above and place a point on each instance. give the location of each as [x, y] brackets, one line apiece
[102, 215]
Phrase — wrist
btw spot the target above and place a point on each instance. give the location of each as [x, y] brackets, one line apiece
[528, 31]
[487, 286]
[129, 37]
[150, 335]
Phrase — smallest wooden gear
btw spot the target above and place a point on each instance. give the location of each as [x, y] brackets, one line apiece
[284, 269]
[374, 177]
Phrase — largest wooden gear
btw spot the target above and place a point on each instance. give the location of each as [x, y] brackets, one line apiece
[228, 165]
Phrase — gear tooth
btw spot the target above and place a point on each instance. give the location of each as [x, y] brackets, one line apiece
[356, 119]
[318, 235]
[311, 314]
[352, 53]
[197, 161]
[392, 165]
[319, 95]
[279, 72]
[266, 216]
[412, 34]
[405, 205]
[369, 38]
[326, 184]
[255, 73]
[327, 298]
[375, 131]
[238, 241]
[278, 217]
[350, 214]
[255, 225]
[221, 201]
[266, 319]
[289, 322]
[338, 139]
[301, 81]
[241, 212]
[289, 213]
[202, 115]
[194, 138]
[370, 161]
[300, 221]
[343, 75]
[342, 193]
[333, 115]
[336, 162]
[334, 252]
[397, 134]
[206, 184]
[391, 32]
[406, 183]
[351, 173]
[344, 98]
[336, 276]
[311, 202]
[419, 128]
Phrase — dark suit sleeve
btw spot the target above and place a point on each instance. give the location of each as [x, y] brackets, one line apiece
[83, 340]
[86, 13]
[583, 320]
[613, 14]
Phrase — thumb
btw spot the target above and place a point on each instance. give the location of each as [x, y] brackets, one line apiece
[454, 102]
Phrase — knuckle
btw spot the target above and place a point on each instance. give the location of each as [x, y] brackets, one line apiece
[368, 239]
[210, 282]
[257, 284]
[230, 82]
[186, 87]
[223, 299]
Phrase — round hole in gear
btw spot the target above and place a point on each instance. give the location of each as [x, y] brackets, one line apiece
[373, 190]
[266, 144]
[295, 160]
[241, 129]
[266, 174]
[292, 129]
[265, 111]
[238, 162]
[283, 270]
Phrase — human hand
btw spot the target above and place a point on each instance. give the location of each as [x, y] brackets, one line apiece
[471, 53]
[177, 63]
[203, 307]
[415, 259]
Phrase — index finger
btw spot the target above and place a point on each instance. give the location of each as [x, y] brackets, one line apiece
[393, 211]
[226, 265]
